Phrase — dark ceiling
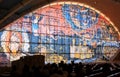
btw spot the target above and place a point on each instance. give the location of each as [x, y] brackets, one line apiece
[11, 10]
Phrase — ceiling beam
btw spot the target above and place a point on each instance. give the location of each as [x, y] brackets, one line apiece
[15, 9]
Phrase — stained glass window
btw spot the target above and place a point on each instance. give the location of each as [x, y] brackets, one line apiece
[61, 31]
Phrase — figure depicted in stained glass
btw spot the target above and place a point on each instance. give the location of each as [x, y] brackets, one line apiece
[34, 19]
[14, 42]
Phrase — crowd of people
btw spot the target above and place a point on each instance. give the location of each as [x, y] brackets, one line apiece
[69, 70]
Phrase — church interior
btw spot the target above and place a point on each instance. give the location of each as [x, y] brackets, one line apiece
[59, 38]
